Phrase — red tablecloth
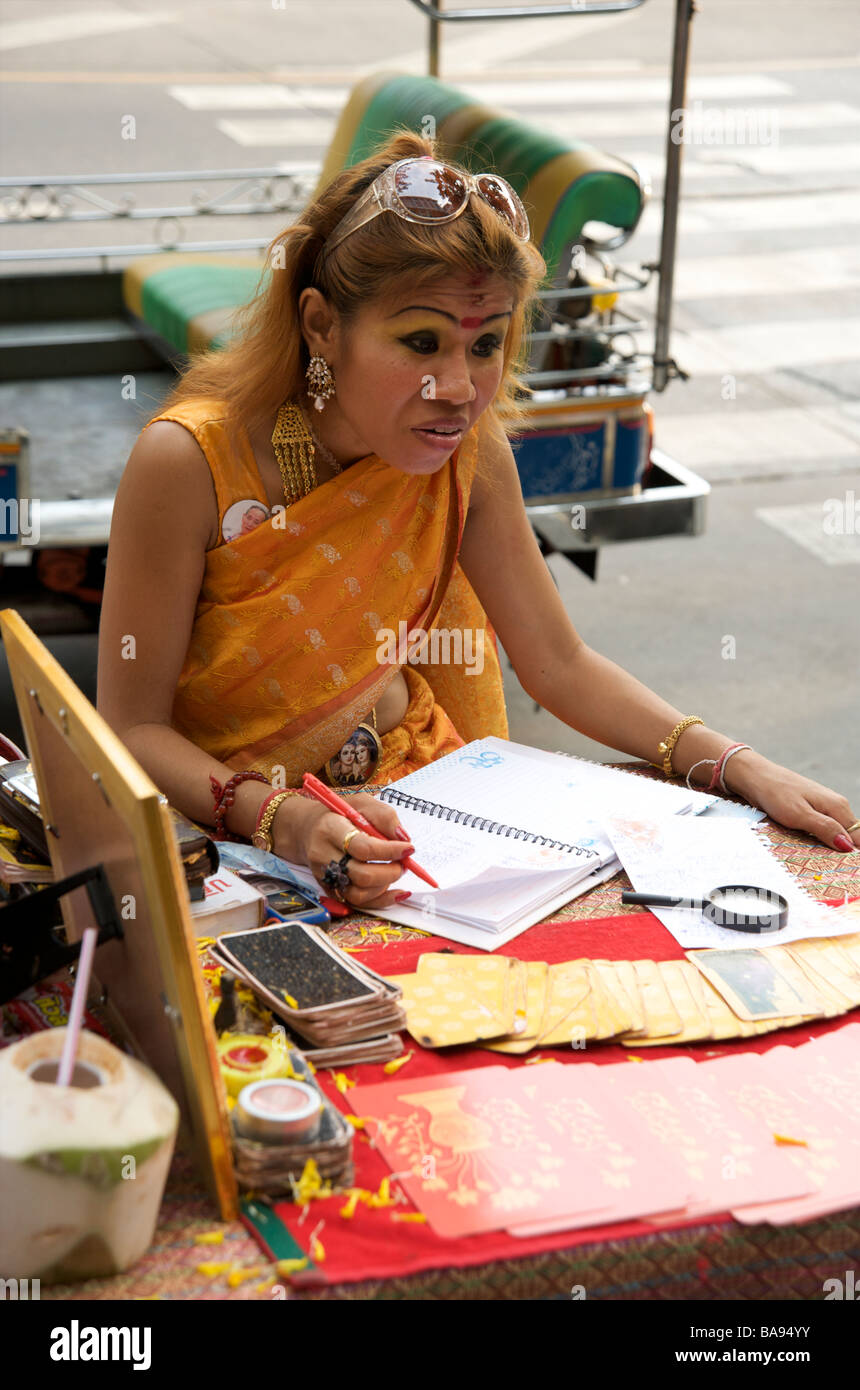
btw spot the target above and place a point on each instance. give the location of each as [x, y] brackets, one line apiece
[372, 1245]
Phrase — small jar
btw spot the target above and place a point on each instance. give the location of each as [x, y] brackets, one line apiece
[279, 1111]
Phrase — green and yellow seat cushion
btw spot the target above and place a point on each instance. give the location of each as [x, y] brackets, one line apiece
[189, 299]
[564, 184]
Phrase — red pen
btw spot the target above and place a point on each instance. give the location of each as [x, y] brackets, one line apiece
[314, 787]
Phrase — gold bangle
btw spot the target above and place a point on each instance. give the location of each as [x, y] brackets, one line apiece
[262, 837]
[668, 745]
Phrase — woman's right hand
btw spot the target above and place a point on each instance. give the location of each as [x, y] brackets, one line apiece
[319, 835]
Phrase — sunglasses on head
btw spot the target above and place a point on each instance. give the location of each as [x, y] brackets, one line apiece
[425, 190]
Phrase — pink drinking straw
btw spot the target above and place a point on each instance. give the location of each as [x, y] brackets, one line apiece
[76, 1013]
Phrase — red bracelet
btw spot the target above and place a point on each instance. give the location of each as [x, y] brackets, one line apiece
[226, 795]
[718, 766]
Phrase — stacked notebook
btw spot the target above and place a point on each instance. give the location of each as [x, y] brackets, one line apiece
[510, 834]
[344, 1010]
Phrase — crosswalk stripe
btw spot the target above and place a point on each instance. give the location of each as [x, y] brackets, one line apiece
[478, 47]
[259, 96]
[773, 213]
[811, 526]
[309, 128]
[612, 106]
[636, 122]
[27, 33]
[736, 440]
[626, 91]
[765, 347]
[810, 270]
[788, 159]
[304, 131]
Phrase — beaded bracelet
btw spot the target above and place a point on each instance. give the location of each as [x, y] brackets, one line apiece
[226, 795]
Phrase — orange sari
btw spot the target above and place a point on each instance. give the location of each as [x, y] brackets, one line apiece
[284, 657]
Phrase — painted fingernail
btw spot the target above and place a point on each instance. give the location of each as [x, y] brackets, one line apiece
[401, 897]
[843, 842]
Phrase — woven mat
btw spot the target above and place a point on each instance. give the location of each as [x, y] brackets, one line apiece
[701, 1263]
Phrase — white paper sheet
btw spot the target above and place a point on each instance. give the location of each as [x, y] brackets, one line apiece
[689, 857]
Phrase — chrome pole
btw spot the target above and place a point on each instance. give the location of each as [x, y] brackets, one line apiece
[663, 364]
[433, 52]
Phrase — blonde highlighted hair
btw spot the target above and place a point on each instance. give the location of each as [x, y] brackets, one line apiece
[265, 361]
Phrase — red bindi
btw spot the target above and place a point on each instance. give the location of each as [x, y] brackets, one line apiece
[471, 323]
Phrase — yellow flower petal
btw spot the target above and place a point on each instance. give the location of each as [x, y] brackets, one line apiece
[415, 1216]
[238, 1276]
[356, 1121]
[288, 1267]
[347, 1211]
[317, 1250]
[532, 1061]
[209, 1238]
[786, 1139]
[342, 1081]
[290, 1000]
[310, 1184]
[211, 1271]
[391, 1067]
[383, 1197]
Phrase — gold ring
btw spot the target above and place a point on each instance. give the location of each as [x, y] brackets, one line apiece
[346, 839]
[855, 826]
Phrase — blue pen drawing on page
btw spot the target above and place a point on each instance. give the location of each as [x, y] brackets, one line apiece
[484, 759]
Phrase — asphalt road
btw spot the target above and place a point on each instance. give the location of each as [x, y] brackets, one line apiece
[767, 318]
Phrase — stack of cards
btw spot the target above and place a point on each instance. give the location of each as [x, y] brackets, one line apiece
[514, 1006]
[772, 1137]
[328, 999]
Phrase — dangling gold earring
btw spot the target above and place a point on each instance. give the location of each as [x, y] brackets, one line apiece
[320, 381]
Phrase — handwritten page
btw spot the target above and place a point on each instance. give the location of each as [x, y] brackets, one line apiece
[545, 794]
[689, 857]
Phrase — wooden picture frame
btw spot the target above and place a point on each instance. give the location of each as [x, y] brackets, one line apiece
[99, 806]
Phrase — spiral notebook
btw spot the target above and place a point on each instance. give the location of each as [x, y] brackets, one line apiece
[512, 833]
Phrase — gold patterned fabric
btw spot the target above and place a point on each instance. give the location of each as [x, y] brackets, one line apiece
[283, 661]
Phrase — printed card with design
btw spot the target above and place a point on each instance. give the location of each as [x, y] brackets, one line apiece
[751, 983]
[536, 983]
[826, 1079]
[732, 1159]
[471, 1152]
[813, 1144]
[459, 999]
[603, 1138]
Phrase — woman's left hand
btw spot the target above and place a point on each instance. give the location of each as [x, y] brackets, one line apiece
[794, 801]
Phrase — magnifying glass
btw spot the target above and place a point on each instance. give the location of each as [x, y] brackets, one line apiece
[738, 906]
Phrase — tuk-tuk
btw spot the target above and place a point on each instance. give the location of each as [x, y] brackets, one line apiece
[590, 471]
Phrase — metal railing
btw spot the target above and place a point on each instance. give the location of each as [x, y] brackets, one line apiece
[74, 198]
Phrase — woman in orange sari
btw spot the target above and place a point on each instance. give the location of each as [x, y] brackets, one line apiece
[293, 590]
